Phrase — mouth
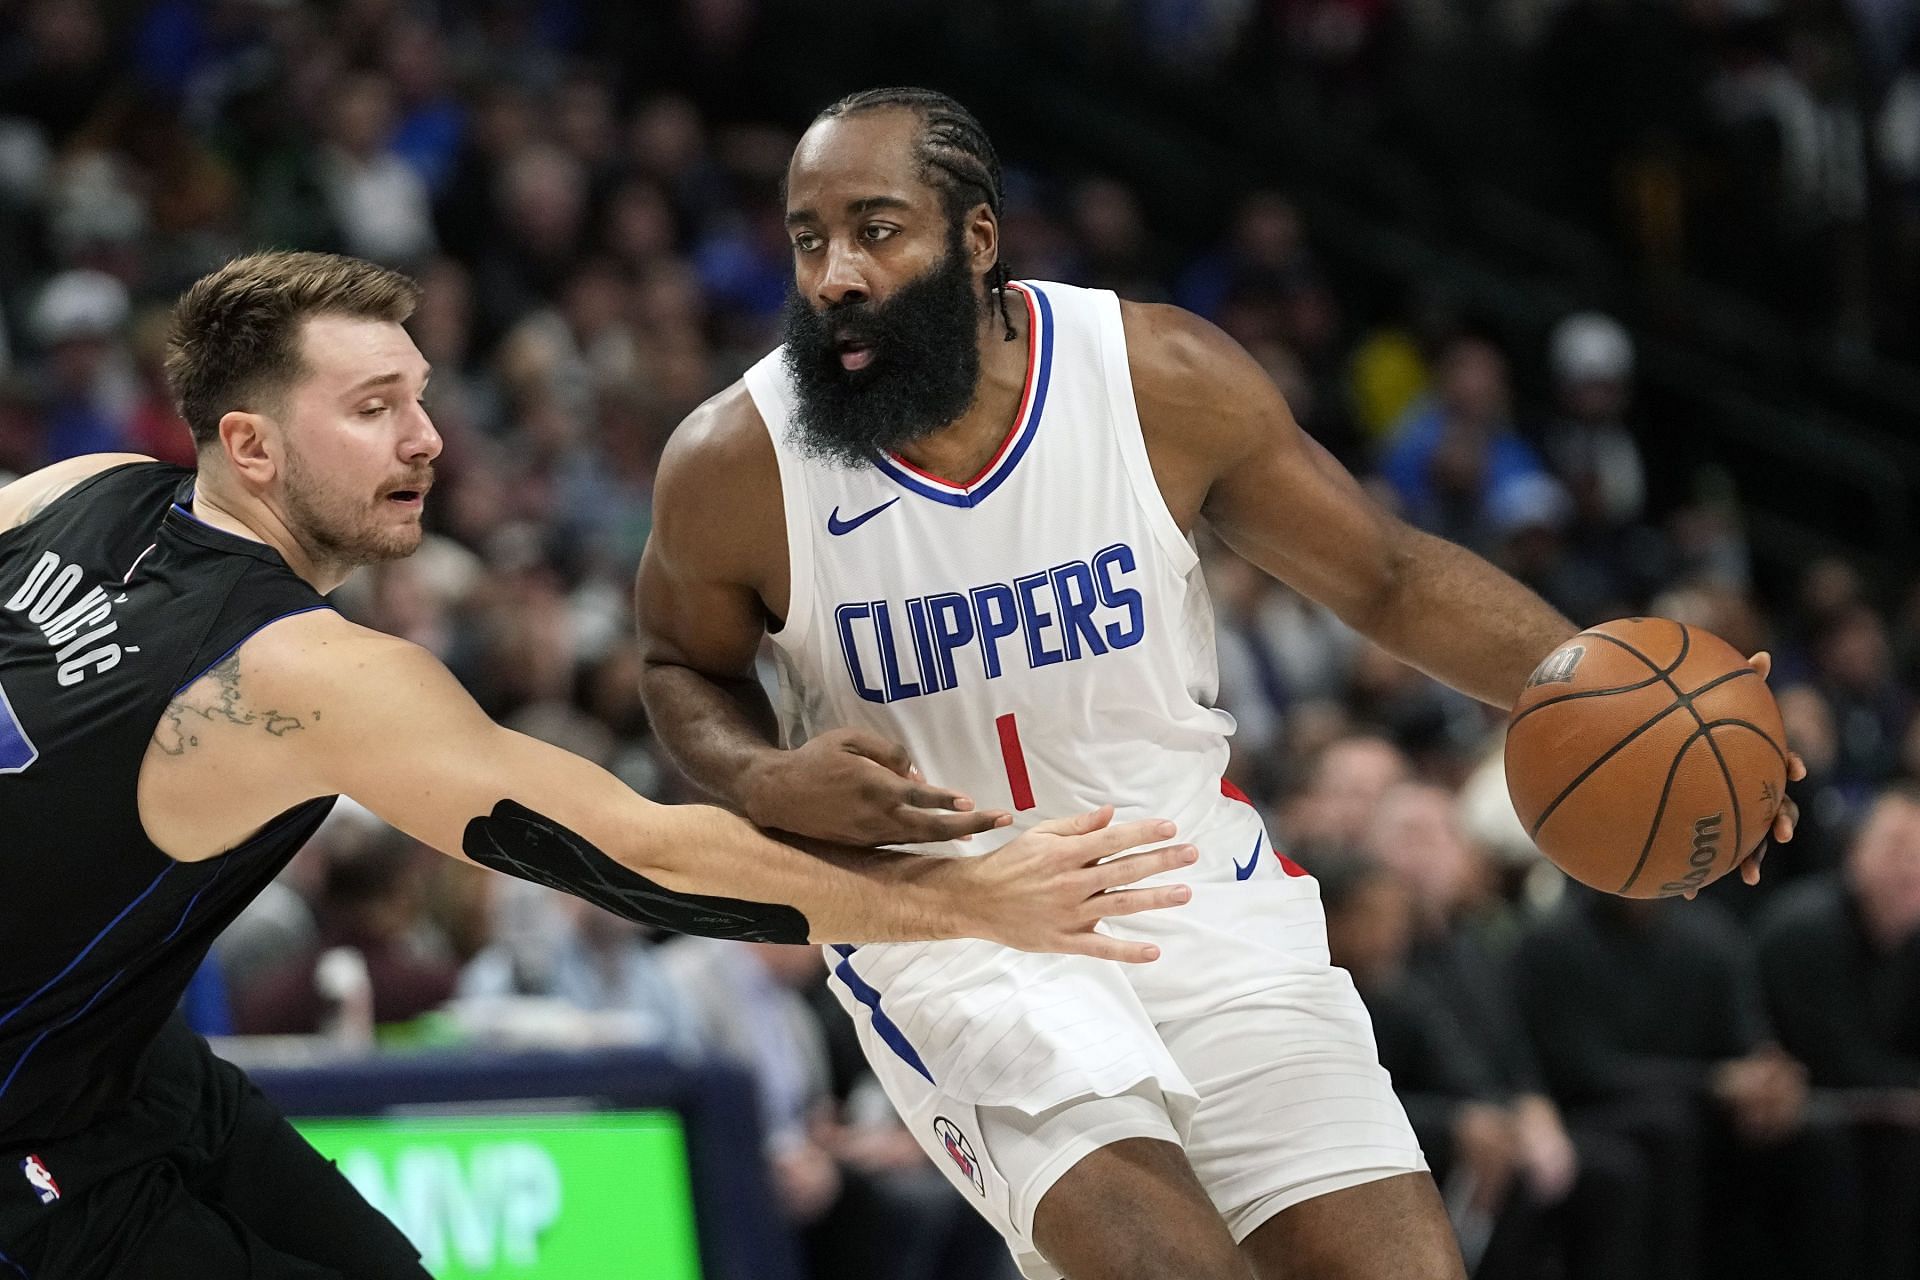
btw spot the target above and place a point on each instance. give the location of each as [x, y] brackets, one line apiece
[854, 354]
[410, 499]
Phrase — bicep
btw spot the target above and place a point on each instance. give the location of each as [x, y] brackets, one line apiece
[399, 735]
[1291, 509]
[691, 618]
[1226, 447]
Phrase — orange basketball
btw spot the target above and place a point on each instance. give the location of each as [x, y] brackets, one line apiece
[1646, 757]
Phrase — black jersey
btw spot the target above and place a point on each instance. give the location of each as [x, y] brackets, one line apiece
[112, 600]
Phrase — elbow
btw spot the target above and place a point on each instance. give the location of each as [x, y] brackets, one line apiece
[1396, 569]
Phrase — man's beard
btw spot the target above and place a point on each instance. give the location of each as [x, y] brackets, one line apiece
[925, 368]
[340, 532]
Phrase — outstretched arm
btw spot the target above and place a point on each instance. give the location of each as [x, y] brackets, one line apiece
[396, 732]
[1224, 445]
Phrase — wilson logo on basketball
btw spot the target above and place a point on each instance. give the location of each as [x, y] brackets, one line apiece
[1706, 852]
[1559, 666]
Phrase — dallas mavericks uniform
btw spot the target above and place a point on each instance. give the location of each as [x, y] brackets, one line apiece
[1040, 638]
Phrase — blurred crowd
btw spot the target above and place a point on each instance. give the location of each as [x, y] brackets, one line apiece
[1607, 1090]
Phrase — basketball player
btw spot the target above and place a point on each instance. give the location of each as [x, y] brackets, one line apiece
[961, 507]
[179, 708]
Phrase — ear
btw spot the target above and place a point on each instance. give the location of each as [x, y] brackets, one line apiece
[249, 441]
[982, 238]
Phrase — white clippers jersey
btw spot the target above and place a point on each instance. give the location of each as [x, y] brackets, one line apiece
[1039, 638]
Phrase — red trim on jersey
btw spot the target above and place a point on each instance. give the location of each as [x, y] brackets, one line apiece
[1016, 761]
[1287, 864]
[1019, 417]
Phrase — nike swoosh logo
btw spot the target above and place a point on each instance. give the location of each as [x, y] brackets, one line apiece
[1240, 872]
[836, 526]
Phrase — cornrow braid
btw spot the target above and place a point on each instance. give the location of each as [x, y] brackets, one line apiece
[955, 155]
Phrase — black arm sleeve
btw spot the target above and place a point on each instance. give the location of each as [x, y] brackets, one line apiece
[515, 840]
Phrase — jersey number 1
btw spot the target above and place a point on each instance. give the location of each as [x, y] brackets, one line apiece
[1016, 761]
[16, 749]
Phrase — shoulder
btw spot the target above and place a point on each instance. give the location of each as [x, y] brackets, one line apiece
[31, 494]
[1194, 381]
[717, 495]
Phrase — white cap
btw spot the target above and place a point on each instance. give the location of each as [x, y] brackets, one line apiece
[79, 304]
[1590, 347]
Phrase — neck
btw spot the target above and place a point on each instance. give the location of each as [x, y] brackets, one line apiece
[255, 519]
[959, 450]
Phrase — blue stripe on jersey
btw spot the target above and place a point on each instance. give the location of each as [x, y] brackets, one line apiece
[84, 951]
[70, 1018]
[868, 996]
[1028, 429]
[16, 1266]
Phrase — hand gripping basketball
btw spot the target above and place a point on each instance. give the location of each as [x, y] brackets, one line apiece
[1648, 759]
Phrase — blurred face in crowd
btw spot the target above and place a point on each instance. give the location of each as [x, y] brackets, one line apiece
[882, 326]
[1473, 383]
[1883, 867]
[1369, 932]
[355, 445]
[1347, 786]
[1416, 833]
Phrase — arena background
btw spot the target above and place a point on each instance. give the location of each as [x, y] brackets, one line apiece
[1624, 294]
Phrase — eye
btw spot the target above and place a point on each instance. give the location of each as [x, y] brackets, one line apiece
[874, 232]
[806, 242]
[373, 410]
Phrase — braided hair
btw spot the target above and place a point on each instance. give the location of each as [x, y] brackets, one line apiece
[955, 156]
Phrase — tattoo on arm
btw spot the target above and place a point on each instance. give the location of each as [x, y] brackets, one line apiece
[215, 698]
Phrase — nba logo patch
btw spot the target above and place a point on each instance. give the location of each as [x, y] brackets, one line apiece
[42, 1181]
[1559, 666]
[961, 1151]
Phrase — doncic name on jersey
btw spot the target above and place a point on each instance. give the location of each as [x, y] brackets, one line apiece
[896, 649]
[77, 631]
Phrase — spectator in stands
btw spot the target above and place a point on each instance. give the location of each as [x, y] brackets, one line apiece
[1468, 1137]
[1841, 959]
[852, 1225]
[1583, 1194]
[372, 959]
[1649, 1023]
[1853, 671]
[1454, 454]
[592, 961]
[1344, 783]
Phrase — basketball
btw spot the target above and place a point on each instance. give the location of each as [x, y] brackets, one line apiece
[1646, 758]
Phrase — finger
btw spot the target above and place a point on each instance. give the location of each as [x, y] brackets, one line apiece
[1138, 866]
[878, 749]
[919, 826]
[1785, 821]
[1079, 824]
[925, 797]
[1796, 767]
[1126, 902]
[1762, 662]
[1100, 946]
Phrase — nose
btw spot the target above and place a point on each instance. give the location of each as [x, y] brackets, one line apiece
[843, 278]
[422, 443]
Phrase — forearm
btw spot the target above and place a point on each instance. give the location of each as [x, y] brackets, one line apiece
[698, 869]
[717, 729]
[846, 894]
[1464, 622]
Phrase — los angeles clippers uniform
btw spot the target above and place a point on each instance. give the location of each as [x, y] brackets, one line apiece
[1041, 638]
[126, 1148]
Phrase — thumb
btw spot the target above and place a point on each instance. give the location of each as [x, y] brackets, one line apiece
[1762, 662]
[1079, 824]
